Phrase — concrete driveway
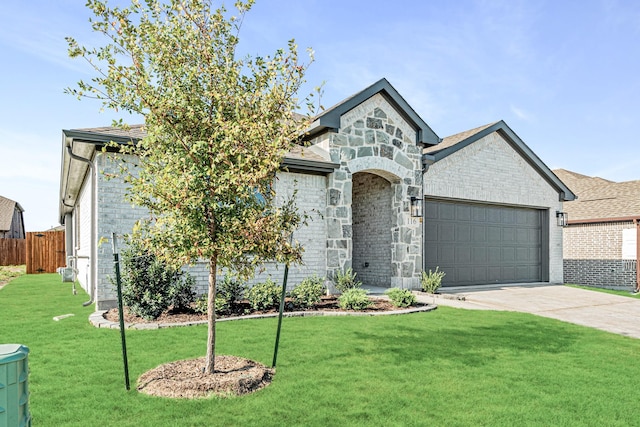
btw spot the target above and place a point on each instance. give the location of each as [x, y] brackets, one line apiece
[612, 313]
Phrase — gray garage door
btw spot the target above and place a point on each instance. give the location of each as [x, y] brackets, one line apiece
[480, 244]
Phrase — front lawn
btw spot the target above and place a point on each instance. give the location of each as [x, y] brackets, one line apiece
[607, 291]
[447, 367]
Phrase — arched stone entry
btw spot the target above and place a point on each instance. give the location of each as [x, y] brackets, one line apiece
[372, 229]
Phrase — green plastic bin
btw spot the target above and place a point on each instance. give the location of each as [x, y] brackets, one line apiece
[14, 386]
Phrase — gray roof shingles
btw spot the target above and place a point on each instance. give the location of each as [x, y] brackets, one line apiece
[599, 198]
[7, 207]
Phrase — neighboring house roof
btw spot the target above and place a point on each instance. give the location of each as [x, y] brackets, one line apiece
[601, 200]
[454, 143]
[7, 209]
[330, 119]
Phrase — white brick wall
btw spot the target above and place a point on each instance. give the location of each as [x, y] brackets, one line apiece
[117, 215]
[490, 170]
[311, 198]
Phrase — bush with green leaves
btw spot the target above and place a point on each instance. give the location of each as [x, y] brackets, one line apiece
[432, 280]
[401, 297]
[200, 305]
[347, 280]
[264, 296]
[354, 299]
[181, 295]
[308, 292]
[150, 286]
[230, 290]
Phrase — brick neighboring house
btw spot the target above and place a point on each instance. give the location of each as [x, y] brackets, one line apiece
[601, 240]
[489, 202]
[11, 219]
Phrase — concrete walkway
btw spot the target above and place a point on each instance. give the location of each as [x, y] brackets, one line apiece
[612, 313]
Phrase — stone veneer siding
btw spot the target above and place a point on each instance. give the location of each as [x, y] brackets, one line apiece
[372, 229]
[593, 256]
[491, 171]
[374, 138]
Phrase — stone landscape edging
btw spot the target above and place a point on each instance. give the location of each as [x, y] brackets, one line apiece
[97, 318]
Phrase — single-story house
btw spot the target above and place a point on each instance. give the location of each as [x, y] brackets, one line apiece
[11, 219]
[601, 240]
[395, 198]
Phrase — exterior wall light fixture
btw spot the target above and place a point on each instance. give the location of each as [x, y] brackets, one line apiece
[562, 218]
[416, 207]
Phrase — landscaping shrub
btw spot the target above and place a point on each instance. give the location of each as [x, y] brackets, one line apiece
[347, 280]
[150, 286]
[308, 292]
[432, 280]
[181, 295]
[230, 290]
[264, 296]
[354, 299]
[201, 305]
[401, 297]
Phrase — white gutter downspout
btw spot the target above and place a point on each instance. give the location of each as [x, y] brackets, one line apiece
[637, 224]
[93, 290]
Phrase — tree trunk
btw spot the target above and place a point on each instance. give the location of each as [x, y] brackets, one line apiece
[211, 318]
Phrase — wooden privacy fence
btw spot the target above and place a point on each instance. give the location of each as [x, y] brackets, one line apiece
[13, 251]
[45, 251]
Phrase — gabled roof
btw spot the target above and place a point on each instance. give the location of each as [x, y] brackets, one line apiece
[461, 140]
[330, 118]
[7, 208]
[601, 200]
[78, 144]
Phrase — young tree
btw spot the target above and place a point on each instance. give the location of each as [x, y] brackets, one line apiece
[217, 128]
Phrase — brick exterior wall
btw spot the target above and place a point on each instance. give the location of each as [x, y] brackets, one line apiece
[490, 170]
[372, 229]
[115, 214]
[593, 256]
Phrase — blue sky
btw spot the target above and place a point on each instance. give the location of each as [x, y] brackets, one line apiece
[564, 75]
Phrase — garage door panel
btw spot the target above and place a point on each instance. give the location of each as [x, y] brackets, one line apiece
[446, 233]
[463, 255]
[479, 255]
[463, 213]
[447, 212]
[479, 244]
[479, 233]
[494, 234]
[463, 233]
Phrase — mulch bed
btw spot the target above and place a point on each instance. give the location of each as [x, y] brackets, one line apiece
[328, 303]
[233, 376]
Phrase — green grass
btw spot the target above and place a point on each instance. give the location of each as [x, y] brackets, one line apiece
[447, 367]
[607, 291]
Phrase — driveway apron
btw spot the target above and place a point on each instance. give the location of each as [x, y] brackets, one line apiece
[611, 313]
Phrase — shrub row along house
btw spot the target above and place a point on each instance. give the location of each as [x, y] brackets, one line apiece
[392, 199]
[601, 241]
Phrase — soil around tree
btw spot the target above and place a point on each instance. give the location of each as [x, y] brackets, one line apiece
[233, 376]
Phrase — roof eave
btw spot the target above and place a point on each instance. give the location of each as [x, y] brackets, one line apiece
[330, 119]
[303, 165]
[565, 194]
